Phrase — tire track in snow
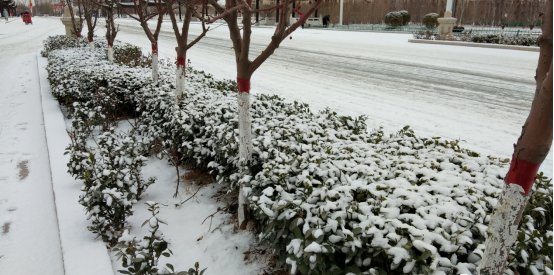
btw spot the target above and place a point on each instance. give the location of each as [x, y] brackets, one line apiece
[497, 91]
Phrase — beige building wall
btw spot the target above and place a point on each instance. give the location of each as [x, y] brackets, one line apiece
[477, 12]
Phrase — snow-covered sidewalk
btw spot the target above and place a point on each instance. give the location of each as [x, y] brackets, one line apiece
[43, 229]
[83, 254]
[29, 239]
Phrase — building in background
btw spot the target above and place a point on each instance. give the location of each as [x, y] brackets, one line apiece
[57, 7]
[468, 12]
[522, 13]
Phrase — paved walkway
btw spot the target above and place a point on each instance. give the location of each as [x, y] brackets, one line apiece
[29, 239]
[43, 228]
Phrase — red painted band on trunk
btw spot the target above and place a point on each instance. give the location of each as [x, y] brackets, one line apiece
[154, 49]
[522, 173]
[110, 45]
[180, 61]
[243, 85]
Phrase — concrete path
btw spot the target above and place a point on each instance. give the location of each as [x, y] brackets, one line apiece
[43, 228]
[29, 239]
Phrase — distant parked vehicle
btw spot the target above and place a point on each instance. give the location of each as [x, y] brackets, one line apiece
[26, 16]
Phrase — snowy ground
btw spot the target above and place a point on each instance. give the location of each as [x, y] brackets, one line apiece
[29, 240]
[481, 96]
[192, 235]
[383, 76]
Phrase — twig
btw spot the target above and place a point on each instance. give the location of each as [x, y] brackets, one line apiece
[211, 216]
[133, 125]
[183, 202]
[178, 181]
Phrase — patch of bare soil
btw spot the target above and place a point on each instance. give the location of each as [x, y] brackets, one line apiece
[23, 167]
[262, 254]
[198, 176]
[6, 228]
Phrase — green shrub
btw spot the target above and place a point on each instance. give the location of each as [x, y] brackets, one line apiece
[429, 35]
[405, 17]
[394, 19]
[111, 176]
[130, 55]
[430, 20]
[141, 257]
[58, 42]
[507, 40]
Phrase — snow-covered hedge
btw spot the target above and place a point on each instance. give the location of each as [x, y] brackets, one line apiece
[108, 86]
[124, 53]
[521, 40]
[330, 195]
[58, 42]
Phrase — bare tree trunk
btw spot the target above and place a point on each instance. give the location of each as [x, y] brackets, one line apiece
[91, 22]
[77, 25]
[110, 53]
[155, 66]
[180, 78]
[245, 129]
[111, 29]
[502, 230]
[143, 14]
[532, 147]
[245, 143]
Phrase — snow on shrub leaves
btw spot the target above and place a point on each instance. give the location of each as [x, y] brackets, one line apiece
[57, 42]
[142, 256]
[517, 40]
[112, 179]
[330, 195]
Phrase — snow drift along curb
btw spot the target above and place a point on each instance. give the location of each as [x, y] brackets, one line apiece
[82, 253]
[476, 45]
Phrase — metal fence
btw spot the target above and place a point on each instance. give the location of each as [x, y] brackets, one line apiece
[469, 30]
[503, 32]
[376, 28]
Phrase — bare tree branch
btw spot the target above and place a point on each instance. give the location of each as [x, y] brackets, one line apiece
[204, 31]
[224, 14]
[218, 8]
[280, 35]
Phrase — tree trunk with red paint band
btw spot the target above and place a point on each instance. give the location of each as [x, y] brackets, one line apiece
[243, 85]
[522, 173]
[179, 78]
[245, 142]
[155, 69]
[530, 150]
[180, 61]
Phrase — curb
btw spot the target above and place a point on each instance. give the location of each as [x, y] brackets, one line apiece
[82, 253]
[477, 45]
